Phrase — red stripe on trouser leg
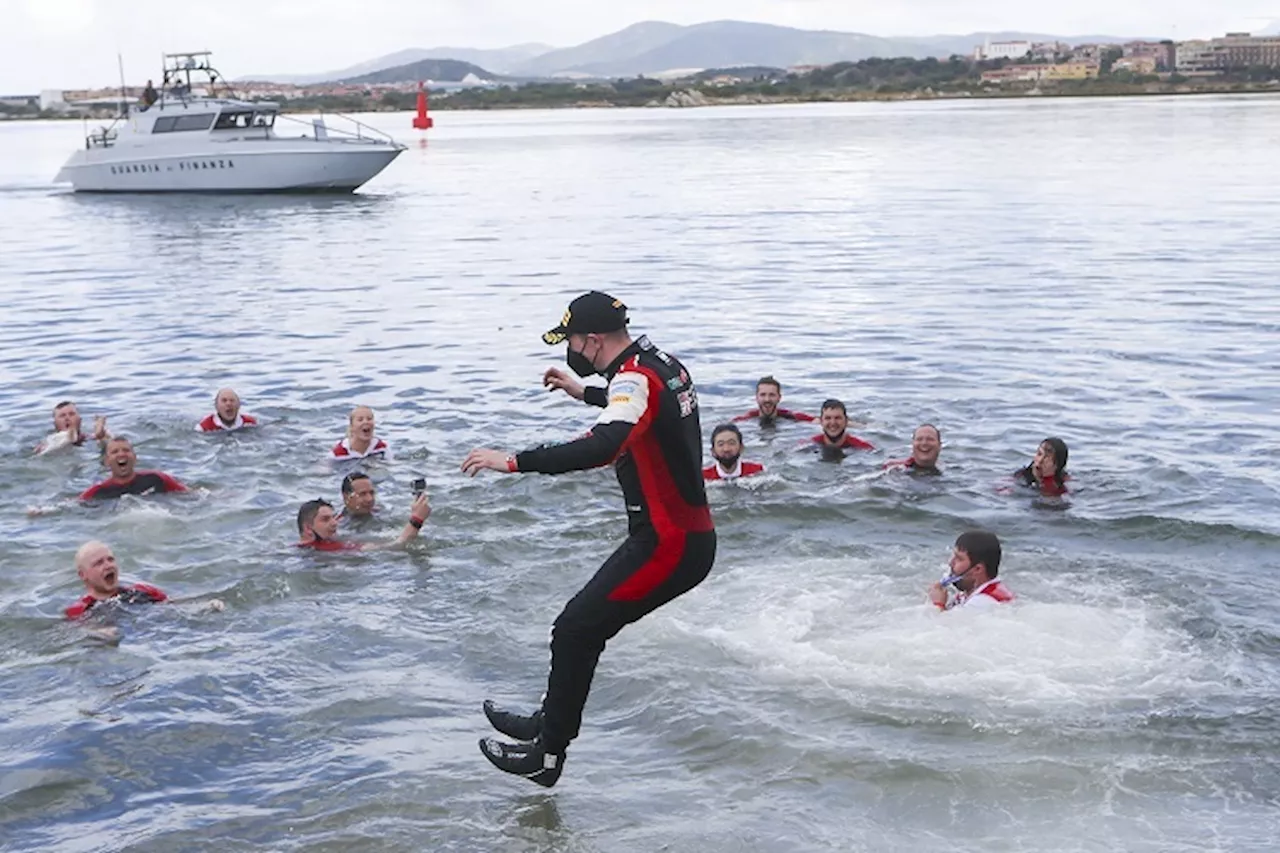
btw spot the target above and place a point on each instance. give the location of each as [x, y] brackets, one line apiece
[657, 569]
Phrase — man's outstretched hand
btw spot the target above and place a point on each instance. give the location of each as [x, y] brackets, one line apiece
[557, 380]
[482, 457]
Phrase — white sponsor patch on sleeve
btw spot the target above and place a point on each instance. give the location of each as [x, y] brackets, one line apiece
[628, 399]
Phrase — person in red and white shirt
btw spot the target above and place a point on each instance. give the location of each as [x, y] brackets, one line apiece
[360, 442]
[226, 414]
[926, 445]
[835, 437]
[975, 564]
[726, 449]
[767, 411]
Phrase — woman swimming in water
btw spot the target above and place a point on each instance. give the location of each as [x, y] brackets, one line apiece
[1048, 470]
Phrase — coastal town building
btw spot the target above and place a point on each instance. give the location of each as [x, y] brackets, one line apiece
[1136, 65]
[1002, 50]
[1232, 52]
[1049, 51]
[1071, 71]
[1242, 50]
[1193, 56]
[1163, 52]
[1088, 52]
[1048, 73]
[1013, 74]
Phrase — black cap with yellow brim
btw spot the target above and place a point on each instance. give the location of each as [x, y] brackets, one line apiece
[593, 312]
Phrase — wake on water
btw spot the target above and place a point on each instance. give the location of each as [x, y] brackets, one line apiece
[839, 629]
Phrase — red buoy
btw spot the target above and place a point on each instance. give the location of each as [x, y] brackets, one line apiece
[422, 121]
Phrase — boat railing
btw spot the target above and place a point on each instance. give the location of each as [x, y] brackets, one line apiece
[354, 130]
[103, 137]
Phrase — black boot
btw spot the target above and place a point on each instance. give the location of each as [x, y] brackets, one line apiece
[518, 726]
[529, 760]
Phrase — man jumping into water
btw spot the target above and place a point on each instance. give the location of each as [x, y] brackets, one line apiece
[649, 429]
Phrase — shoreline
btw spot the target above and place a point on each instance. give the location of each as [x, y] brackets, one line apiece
[695, 97]
[857, 97]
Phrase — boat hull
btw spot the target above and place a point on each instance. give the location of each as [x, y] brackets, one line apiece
[333, 167]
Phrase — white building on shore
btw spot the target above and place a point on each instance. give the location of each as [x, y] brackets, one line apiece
[1002, 50]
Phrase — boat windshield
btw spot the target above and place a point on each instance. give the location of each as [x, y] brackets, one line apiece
[241, 119]
[232, 119]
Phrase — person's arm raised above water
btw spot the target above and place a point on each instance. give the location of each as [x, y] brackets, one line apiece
[419, 512]
[624, 419]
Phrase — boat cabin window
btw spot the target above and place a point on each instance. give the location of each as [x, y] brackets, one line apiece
[231, 120]
[264, 119]
[177, 124]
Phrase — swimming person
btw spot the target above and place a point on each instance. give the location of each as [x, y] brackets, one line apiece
[726, 449]
[1048, 469]
[975, 564]
[649, 430]
[318, 527]
[226, 414]
[67, 429]
[358, 496]
[767, 412]
[125, 479]
[926, 445]
[360, 442]
[97, 568]
[835, 438]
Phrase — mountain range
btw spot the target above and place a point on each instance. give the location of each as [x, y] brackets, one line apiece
[436, 70]
[654, 47]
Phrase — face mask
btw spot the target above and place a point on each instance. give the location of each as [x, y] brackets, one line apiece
[949, 579]
[580, 364]
[727, 462]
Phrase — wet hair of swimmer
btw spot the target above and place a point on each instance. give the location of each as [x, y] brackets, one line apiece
[308, 511]
[1059, 448]
[349, 481]
[725, 428]
[982, 547]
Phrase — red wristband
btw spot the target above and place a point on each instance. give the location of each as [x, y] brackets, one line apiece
[512, 466]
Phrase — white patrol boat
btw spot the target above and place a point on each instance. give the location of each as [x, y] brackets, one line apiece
[193, 140]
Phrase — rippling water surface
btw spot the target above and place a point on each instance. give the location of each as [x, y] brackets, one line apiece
[1103, 270]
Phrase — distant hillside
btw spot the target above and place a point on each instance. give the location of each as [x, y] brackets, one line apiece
[653, 46]
[624, 44]
[500, 60]
[439, 70]
[724, 44]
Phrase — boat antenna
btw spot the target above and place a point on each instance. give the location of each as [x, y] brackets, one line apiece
[120, 62]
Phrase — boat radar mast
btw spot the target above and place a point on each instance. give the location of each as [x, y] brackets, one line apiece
[179, 68]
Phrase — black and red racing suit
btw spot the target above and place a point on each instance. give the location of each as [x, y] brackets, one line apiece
[650, 431]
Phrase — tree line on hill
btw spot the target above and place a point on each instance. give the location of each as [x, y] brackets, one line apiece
[866, 78]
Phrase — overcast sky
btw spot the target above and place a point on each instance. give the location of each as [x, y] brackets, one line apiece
[52, 44]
